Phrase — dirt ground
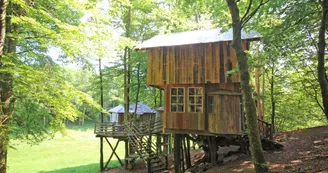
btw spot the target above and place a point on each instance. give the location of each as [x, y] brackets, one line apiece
[305, 151]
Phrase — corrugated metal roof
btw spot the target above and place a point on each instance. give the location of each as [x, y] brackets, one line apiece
[141, 109]
[194, 37]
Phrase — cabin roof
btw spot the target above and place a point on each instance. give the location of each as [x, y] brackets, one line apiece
[195, 37]
[141, 109]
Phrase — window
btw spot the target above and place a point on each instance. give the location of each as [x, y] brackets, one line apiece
[177, 99]
[195, 99]
[210, 100]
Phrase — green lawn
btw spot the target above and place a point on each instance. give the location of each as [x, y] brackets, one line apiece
[76, 152]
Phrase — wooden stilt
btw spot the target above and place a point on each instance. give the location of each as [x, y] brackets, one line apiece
[213, 149]
[158, 143]
[186, 152]
[170, 143]
[126, 153]
[101, 154]
[166, 145]
[177, 153]
[182, 155]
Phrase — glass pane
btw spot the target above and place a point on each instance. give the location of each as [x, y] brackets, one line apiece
[180, 108]
[191, 91]
[173, 99]
[199, 100]
[173, 108]
[173, 91]
[199, 108]
[191, 100]
[180, 99]
[191, 108]
[199, 91]
[180, 91]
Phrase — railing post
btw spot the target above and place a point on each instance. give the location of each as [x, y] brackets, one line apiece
[113, 128]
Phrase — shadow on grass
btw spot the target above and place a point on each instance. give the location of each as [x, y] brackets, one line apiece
[91, 168]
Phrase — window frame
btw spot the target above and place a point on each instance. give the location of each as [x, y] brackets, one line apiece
[177, 104]
[195, 96]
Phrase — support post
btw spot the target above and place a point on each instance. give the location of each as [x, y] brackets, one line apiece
[126, 153]
[213, 149]
[186, 152]
[177, 151]
[101, 154]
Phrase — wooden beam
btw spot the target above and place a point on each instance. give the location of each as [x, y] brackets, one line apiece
[113, 152]
[101, 154]
[177, 153]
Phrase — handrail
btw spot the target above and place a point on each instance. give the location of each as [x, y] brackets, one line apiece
[265, 128]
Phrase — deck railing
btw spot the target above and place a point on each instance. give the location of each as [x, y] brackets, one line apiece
[265, 129]
[155, 125]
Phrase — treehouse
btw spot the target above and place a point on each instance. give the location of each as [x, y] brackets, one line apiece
[197, 71]
[143, 113]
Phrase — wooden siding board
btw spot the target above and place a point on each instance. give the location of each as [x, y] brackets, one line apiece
[222, 64]
[192, 64]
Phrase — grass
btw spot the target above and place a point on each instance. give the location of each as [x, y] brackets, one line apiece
[75, 152]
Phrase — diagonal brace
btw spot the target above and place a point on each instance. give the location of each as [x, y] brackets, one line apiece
[114, 152]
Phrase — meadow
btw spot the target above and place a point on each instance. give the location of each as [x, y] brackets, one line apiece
[77, 151]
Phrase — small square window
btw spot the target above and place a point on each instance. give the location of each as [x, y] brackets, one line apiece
[195, 99]
[177, 100]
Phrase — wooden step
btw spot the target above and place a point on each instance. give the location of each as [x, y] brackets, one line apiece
[155, 161]
[159, 164]
[158, 169]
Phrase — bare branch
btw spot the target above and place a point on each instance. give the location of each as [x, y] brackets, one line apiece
[248, 8]
[248, 17]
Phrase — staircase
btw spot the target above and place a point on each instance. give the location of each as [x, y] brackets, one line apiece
[139, 137]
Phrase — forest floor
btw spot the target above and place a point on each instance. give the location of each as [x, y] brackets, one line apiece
[305, 151]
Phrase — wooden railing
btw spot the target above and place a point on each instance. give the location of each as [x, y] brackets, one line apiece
[154, 125]
[109, 129]
[265, 129]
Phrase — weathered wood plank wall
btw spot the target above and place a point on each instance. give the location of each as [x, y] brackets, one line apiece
[192, 64]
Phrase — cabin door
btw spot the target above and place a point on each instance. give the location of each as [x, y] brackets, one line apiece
[224, 114]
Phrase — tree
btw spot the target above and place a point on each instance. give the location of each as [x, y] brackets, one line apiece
[322, 75]
[5, 92]
[253, 133]
[30, 77]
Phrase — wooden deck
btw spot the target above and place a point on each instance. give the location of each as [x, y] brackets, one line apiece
[115, 130]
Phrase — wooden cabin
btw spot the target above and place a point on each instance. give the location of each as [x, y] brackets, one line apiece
[202, 93]
[143, 113]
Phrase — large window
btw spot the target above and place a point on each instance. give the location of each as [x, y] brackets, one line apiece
[195, 99]
[177, 99]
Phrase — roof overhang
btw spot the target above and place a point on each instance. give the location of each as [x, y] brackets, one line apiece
[195, 37]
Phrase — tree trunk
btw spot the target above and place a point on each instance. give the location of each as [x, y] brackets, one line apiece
[138, 88]
[126, 61]
[253, 132]
[322, 76]
[273, 102]
[6, 85]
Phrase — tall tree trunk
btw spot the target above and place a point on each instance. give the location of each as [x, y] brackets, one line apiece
[322, 76]
[7, 46]
[253, 132]
[138, 88]
[126, 61]
[273, 102]
[101, 117]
